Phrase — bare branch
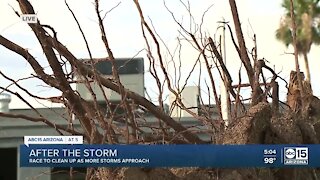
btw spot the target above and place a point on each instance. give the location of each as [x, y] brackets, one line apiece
[41, 119]
[80, 29]
[111, 10]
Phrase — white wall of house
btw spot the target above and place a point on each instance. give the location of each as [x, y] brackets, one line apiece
[189, 97]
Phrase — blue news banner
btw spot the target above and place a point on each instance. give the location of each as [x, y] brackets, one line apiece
[231, 156]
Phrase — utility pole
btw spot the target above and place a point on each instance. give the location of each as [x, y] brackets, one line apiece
[225, 97]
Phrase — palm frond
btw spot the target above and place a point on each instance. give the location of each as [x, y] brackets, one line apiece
[307, 13]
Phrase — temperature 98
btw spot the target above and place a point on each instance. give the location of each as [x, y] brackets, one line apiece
[269, 160]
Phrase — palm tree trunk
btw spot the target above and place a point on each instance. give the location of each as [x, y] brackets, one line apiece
[306, 62]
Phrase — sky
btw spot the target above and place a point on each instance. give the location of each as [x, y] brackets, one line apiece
[125, 37]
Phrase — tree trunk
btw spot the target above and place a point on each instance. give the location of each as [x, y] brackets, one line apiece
[306, 62]
[242, 45]
[253, 77]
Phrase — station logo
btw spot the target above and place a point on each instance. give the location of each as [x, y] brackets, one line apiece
[296, 156]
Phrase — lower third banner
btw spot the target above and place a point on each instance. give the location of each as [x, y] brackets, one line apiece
[170, 155]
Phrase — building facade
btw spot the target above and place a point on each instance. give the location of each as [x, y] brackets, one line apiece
[12, 130]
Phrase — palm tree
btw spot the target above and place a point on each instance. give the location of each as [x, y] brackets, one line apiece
[307, 13]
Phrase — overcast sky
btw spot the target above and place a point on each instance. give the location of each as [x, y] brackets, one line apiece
[125, 37]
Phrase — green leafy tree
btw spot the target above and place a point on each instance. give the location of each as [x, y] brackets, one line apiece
[307, 13]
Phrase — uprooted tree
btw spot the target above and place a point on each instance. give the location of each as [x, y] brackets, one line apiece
[262, 123]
